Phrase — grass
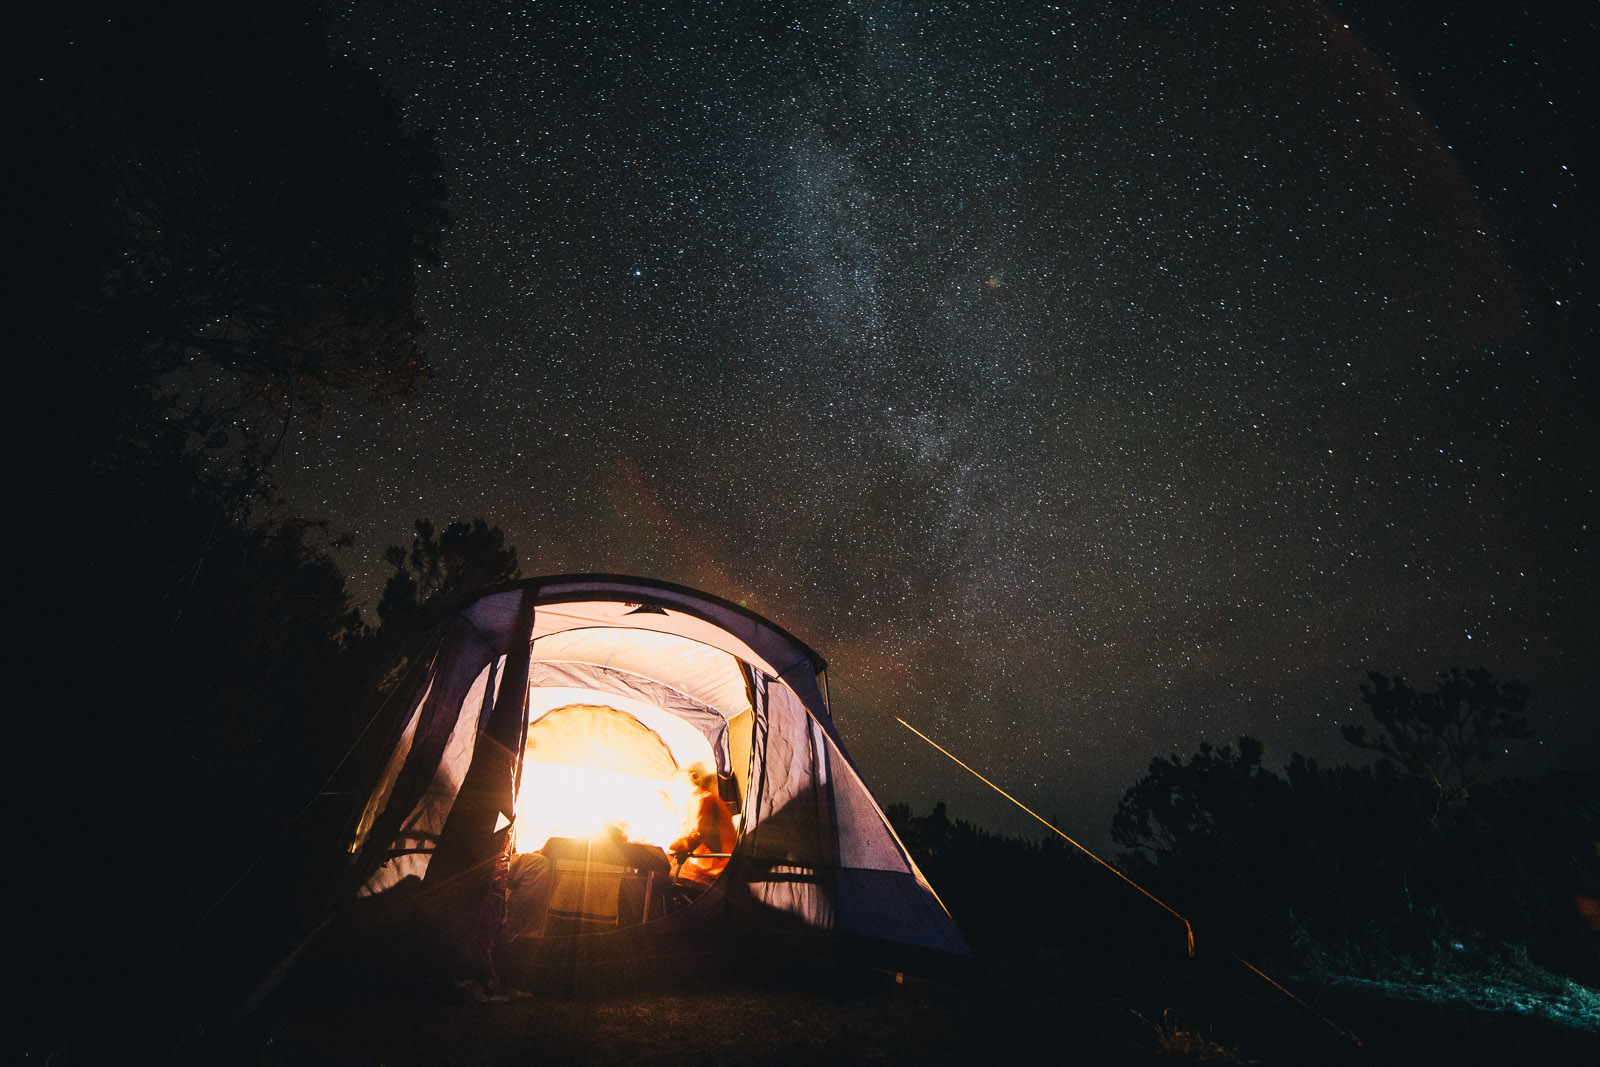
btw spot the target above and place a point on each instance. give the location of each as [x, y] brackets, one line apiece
[1503, 990]
[1177, 1040]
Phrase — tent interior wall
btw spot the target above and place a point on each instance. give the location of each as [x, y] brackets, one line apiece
[554, 707]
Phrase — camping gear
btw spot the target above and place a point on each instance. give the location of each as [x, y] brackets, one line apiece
[562, 706]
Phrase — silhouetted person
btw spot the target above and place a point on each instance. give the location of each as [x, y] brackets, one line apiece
[697, 852]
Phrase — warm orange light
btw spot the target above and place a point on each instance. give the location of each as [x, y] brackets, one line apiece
[560, 800]
[587, 765]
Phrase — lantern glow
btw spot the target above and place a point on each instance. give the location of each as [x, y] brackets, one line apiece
[587, 766]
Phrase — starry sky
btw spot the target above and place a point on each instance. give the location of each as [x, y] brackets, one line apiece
[1082, 380]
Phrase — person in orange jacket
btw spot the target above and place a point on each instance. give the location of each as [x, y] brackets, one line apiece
[713, 833]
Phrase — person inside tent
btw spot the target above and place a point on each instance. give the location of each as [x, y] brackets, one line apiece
[703, 853]
[528, 884]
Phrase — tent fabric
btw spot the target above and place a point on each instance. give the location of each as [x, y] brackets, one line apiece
[599, 737]
[706, 675]
[421, 829]
[687, 742]
[816, 850]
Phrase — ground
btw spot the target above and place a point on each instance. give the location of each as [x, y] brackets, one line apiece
[1112, 1012]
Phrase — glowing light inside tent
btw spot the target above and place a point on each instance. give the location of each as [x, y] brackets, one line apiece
[589, 765]
[559, 800]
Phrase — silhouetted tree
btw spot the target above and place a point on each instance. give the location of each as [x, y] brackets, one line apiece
[234, 221]
[1213, 833]
[220, 225]
[1417, 855]
[1209, 803]
[1012, 895]
[1446, 738]
[437, 572]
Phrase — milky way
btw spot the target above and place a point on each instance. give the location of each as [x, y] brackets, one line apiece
[1083, 381]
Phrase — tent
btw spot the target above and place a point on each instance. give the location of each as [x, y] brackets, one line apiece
[554, 706]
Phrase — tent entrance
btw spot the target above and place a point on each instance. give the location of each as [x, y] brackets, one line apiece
[601, 798]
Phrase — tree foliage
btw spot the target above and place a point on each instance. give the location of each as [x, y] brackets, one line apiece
[1447, 738]
[232, 219]
[1419, 851]
[1008, 893]
[438, 571]
[221, 226]
[1211, 802]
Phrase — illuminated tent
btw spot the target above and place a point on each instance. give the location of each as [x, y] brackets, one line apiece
[555, 705]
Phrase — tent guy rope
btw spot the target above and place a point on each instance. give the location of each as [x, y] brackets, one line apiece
[1188, 929]
[1186, 925]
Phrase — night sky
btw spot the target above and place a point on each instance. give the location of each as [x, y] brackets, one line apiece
[1083, 381]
